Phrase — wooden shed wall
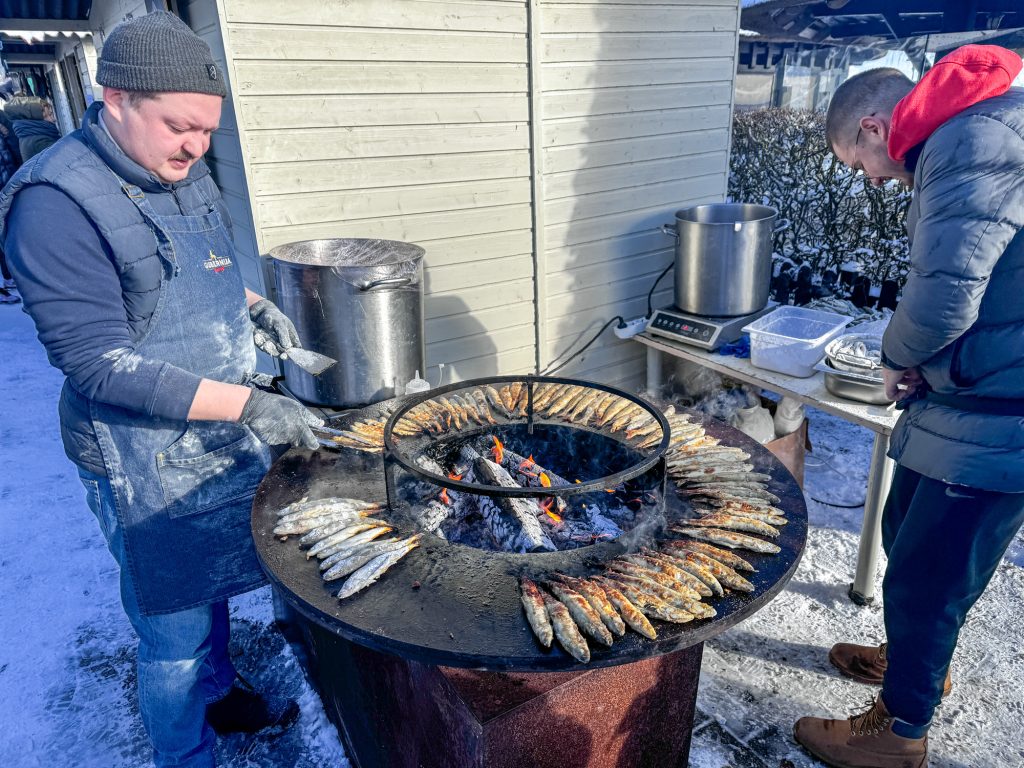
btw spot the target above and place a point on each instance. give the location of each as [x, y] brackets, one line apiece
[635, 111]
[511, 139]
[405, 120]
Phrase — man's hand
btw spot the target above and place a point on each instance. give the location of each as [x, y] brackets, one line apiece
[901, 384]
[279, 420]
[273, 332]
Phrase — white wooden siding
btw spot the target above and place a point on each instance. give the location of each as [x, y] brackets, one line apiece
[225, 156]
[634, 106]
[405, 120]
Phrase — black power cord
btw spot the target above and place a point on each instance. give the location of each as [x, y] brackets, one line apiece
[552, 368]
[650, 294]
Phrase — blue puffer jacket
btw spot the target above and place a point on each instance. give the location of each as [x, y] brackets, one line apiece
[961, 318]
[89, 338]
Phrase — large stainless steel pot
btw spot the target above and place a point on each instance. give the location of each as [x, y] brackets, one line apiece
[723, 258]
[360, 302]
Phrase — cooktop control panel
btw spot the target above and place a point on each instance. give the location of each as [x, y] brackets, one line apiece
[705, 332]
[680, 327]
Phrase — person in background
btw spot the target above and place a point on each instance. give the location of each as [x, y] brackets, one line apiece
[34, 123]
[10, 159]
[135, 290]
[953, 357]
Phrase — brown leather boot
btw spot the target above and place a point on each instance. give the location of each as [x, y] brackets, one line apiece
[867, 663]
[862, 741]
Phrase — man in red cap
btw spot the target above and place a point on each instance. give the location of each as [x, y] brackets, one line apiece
[953, 358]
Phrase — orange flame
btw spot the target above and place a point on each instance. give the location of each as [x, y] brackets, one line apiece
[545, 481]
[577, 480]
[444, 496]
[453, 476]
[527, 463]
[546, 505]
[609, 490]
[498, 451]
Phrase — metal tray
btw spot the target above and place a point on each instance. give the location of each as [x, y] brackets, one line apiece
[853, 386]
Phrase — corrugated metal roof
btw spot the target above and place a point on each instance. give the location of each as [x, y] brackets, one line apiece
[76, 10]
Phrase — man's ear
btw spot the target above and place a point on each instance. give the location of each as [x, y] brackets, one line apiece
[876, 124]
[116, 101]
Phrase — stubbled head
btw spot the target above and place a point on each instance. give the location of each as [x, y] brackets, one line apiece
[165, 133]
[858, 121]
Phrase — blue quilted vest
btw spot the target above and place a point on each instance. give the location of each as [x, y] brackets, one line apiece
[83, 166]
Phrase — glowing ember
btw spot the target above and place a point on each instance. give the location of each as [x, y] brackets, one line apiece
[527, 463]
[453, 476]
[444, 496]
[498, 451]
[545, 481]
[546, 505]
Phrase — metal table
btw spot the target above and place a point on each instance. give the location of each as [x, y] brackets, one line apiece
[811, 391]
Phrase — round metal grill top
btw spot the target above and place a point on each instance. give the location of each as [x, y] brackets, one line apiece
[459, 606]
[404, 450]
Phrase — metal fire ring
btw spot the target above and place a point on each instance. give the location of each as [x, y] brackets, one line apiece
[392, 451]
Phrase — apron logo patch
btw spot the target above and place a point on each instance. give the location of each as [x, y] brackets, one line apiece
[216, 263]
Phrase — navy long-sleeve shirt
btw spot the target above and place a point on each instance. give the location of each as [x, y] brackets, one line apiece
[65, 272]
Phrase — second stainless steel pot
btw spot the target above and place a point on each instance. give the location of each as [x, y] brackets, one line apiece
[723, 258]
[360, 302]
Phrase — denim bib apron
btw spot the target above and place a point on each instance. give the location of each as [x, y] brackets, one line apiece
[184, 490]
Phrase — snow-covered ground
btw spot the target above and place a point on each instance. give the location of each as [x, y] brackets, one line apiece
[67, 687]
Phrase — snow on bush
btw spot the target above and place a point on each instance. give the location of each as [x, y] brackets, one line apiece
[779, 158]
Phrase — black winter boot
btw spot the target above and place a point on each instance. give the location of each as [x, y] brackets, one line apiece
[244, 710]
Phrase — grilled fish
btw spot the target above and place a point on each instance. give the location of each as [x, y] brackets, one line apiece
[735, 523]
[629, 612]
[631, 568]
[565, 629]
[697, 569]
[658, 560]
[482, 406]
[354, 541]
[343, 563]
[329, 504]
[307, 524]
[613, 410]
[731, 539]
[341, 535]
[648, 603]
[536, 613]
[725, 575]
[599, 602]
[586, 618]
[726, 558]
[374, 569]
[495, 401]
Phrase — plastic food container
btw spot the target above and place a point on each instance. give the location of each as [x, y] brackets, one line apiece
[792, 339]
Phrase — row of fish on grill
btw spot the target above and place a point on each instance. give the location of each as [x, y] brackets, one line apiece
[346, 539]
[671, 579]
[576, 404]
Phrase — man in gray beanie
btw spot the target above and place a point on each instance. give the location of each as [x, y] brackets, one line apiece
[122, 249]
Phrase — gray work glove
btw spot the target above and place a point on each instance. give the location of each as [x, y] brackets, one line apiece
[279, 420]
[272, 332]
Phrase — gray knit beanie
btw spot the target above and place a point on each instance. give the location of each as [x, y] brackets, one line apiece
[158, 53]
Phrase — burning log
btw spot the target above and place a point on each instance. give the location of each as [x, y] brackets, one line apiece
[513, 522]
[530, 474]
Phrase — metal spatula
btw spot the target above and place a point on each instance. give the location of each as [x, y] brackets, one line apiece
[311, 362]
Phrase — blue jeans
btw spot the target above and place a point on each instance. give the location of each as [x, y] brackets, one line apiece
[943, 542]
[183, 661]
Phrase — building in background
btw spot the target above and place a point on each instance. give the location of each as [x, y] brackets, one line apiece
[794, 53]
